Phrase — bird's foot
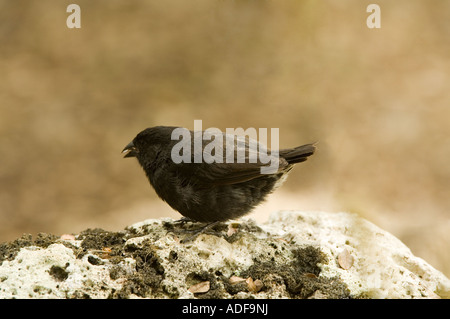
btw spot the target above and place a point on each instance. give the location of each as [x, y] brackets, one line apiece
[194, 233]
[183, 221]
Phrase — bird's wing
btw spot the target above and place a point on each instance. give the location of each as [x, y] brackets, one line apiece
[229, 160]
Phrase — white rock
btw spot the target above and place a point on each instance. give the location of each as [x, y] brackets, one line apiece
[383, 266]
[28, 275]
[148, 260]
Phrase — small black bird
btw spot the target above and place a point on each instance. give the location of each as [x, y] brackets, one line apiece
[211, 192]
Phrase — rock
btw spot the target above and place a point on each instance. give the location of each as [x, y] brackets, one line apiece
[382, 266]
[293, 255]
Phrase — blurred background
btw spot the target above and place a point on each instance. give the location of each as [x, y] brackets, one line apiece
[376, 100]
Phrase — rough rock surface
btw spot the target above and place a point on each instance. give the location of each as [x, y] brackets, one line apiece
[293, 255]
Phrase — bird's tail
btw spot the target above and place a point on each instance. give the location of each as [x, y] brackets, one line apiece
[298, 154]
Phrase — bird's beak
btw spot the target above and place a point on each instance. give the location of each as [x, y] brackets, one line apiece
[130, 150]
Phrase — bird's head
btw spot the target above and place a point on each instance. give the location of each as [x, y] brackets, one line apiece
[149, 143]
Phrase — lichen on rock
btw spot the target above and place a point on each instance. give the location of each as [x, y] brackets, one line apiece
[293, 255]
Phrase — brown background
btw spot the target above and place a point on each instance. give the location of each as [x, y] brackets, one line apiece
[376, 100]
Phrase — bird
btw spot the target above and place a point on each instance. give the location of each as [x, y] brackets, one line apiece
[211, 191]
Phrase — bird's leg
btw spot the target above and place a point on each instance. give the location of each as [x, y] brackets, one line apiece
[183, 221]
[198, 231]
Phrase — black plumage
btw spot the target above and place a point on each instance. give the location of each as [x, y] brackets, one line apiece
[211, 192]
